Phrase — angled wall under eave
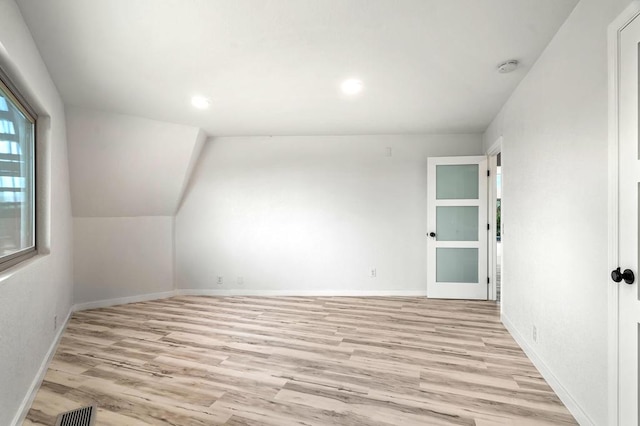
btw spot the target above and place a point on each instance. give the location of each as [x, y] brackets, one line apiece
[125, 166]
[128, 175]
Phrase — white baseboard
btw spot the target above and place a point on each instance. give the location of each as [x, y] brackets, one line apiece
[242, 292]
[565, 396]
[122, 300]
[23, 410]
[337, 293]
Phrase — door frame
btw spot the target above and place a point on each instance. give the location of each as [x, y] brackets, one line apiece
[492, 255]
[614, 30]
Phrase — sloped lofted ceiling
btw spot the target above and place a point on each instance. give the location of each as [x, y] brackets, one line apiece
[273, 67]
[124, 166]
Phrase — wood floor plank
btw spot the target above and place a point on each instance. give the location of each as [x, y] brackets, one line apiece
[194, 360]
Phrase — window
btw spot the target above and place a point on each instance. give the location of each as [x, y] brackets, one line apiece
[17, 177]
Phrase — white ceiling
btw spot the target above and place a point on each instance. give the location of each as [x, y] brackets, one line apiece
[274, 66]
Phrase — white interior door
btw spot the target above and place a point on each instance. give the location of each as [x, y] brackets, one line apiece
[629, 186]
[457, 228]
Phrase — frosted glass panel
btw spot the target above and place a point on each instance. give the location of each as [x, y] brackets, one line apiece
[458, 181]
[457, 265]
[457, 223]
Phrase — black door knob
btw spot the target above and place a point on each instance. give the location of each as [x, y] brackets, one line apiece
[627, 276]
[432, 234]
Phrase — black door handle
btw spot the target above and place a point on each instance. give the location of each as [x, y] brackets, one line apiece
[432, 234]
[627, 275]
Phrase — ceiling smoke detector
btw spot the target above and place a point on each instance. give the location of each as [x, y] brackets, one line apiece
[508, 66]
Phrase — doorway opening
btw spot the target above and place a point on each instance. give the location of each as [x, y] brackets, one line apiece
[495, 288]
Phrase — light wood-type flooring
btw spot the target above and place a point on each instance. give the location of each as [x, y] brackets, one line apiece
[295, 361]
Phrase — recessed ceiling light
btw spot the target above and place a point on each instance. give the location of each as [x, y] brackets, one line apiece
[351, 86]
[508, 66]
[200, 102]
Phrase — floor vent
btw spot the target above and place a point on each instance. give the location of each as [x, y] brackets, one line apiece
[84, 416]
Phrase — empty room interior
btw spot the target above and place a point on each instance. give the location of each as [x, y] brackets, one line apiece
[313, 212]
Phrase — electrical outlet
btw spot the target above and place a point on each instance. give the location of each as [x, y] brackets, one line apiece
[220, 280]
[373, 273]
[55, 323]
[240, 281]
[535, 333]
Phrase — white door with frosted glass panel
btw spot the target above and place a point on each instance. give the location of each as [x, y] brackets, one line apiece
[457, 228]
[629, 186]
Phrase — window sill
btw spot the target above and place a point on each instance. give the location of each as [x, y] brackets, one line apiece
[19, 267]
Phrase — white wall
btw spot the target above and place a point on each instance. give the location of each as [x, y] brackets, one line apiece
[554, 165]
[32, 294]
[122, 257]
[302, 215]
